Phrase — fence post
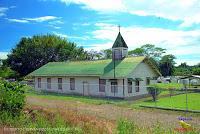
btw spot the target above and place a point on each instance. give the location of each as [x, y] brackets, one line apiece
[185, 86]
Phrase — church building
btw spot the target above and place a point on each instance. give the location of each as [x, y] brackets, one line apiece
[119, 77]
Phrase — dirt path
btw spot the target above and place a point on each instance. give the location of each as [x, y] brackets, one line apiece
[111, 112]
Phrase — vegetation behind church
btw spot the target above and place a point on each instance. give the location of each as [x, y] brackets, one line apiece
[33, 52]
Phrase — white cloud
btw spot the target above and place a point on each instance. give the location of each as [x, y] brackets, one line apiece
[98, 47]
[71, 36]
[187, 11]
[42, 19]
[60, 34]
[55, 27]
[99, 5]
[3, 11]
[179, 43]
[3, 55]
[56, 22]
[82, 24]
[18, 20]
[36, 19]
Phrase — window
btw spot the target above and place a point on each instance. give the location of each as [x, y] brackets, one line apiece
[147, 81]
[102, 84]
[72, 84]
[48, 83]
[60, 83]
[137, 85]
[129, 86]
[117, 54]
[39, 82]
[114, 88]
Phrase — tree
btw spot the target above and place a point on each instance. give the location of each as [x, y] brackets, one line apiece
[6, 72]
[196, 71]
[94, 55]
[154, 92]
[107, 53]
[148, 50]
[183, 65]
[137, 52]
[31, 53]
[166, 65]
[181, 71]
[12, 97]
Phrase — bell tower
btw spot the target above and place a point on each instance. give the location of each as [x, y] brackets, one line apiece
[119, 48]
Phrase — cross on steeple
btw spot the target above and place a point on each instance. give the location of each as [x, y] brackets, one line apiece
[119, 27]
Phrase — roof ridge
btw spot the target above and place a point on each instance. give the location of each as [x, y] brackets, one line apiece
[102, 68]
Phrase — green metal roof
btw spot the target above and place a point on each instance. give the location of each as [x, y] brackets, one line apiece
[119, 42]
[101, 68]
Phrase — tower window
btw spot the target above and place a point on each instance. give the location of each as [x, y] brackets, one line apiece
[117, 54]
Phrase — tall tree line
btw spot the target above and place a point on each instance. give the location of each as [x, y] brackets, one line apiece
[30, 53]
[33, 52]
[165, 63]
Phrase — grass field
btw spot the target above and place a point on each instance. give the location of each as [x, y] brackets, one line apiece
[111, 112]
[83, 99]
[178, 101]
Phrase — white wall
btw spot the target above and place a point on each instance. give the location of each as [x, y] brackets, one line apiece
[120, 87]
[93, 86]
[143, 70]
[92, 82]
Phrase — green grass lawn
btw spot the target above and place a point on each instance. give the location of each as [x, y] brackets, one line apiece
[178, 101]
[83, 99]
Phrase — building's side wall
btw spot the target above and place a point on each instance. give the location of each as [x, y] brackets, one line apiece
[93, 86]
[120, 88]
[143, 70]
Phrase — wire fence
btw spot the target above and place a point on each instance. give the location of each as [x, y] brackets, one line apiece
[187, 99]
[91, 89]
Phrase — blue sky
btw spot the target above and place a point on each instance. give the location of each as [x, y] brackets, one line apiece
[93, 24]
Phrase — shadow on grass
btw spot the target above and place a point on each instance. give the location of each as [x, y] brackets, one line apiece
[150, 100]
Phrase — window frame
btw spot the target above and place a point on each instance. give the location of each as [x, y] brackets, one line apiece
[60, 85]
[39, 82]
[114, 87]
[48, 83]
[148, 81]
[72, 83]
[137, 86]
[117, 54]
[130, 87]
[102, 85]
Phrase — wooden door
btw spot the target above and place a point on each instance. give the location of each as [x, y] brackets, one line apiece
[85, 89]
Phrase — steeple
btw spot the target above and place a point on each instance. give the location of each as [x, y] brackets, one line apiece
[119, 48]
[119, 42]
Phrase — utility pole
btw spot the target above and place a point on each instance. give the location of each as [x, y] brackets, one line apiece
[114, 64]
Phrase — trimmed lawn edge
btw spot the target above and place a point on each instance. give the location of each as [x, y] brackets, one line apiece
[171, 109]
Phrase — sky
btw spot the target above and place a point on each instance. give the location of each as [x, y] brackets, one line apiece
[93, 24]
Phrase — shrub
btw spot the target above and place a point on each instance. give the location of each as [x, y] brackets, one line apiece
[154, 92]
[125, 127]
[12, 97]
[167, 86]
